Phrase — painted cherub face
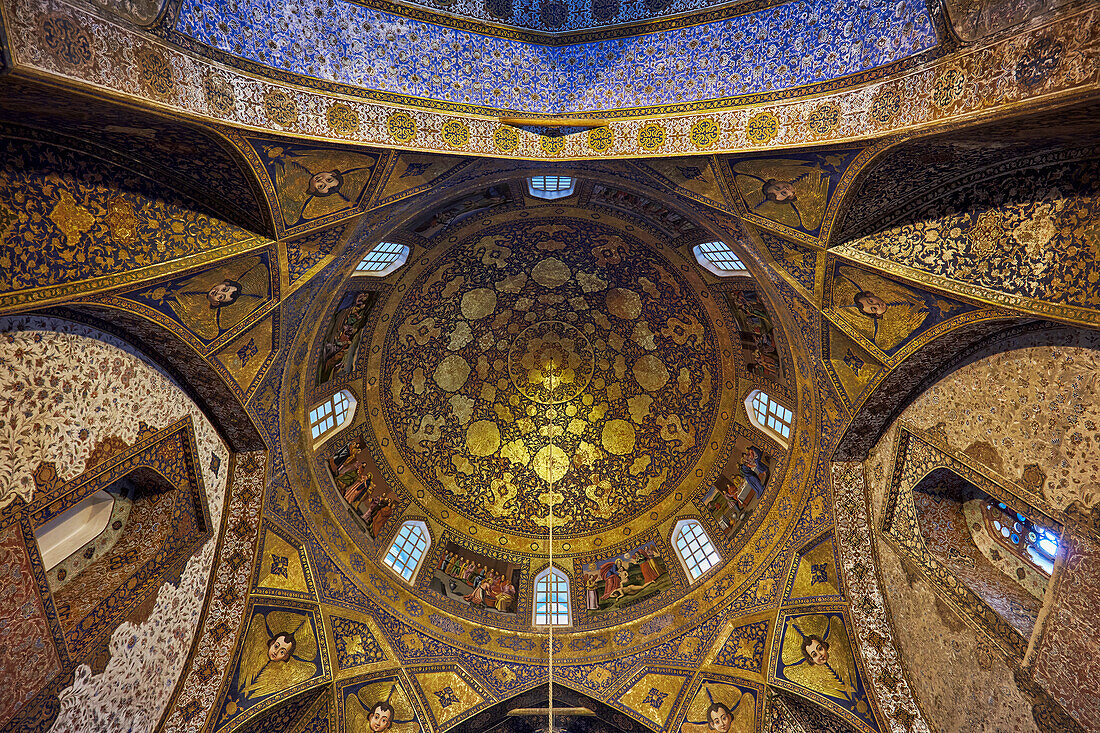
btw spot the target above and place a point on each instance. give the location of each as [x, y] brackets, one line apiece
[324, 182]
[222, 294]
[279, 649]
[817, 652]
[719, 720]
[781, 190]
[871, 304]
[380, 719]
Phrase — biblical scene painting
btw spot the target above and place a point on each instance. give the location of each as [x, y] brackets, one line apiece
[476, 579]
[378, 706]
[794, 191]
[756, 333]
[735, 494]
[883, 312]
[817, 656]
[368, 496]
[312, 183]
[456, 212]
[721, 708]
[280, 651]
[340, 343]
[623, 579]
[215, 300]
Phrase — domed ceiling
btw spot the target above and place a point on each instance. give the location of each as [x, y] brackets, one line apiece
[542, 362]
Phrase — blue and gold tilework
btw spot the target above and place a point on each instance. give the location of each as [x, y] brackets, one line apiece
[781, 47]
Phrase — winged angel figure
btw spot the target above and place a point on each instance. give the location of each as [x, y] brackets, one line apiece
[818, 656]
[280, 651]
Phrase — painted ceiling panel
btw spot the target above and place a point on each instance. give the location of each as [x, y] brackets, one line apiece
[775, 48]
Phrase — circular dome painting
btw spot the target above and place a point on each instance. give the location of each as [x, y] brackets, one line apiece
[543, 362]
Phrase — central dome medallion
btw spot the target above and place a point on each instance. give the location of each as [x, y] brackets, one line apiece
[543, 362]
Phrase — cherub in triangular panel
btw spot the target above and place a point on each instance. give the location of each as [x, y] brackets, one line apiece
[793, 192]
[720, 708]
[311, 183]
[279, 652]
[817, 655]
[213, 301]
[377, 707]
[885, 312]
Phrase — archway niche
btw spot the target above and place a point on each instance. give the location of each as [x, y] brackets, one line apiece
[963, 527]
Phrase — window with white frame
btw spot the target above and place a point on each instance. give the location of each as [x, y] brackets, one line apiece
[331, 415]
[383, 259]
[719, 259]
[408, 549]
[551, 187]
[696, 551]
[551, 599]
[768, 415]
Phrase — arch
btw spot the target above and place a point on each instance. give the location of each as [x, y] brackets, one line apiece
[769, 416]
[331, 416]
[551, 187]
[188, 369]
[551, 605]
[408, 549]
[717, 258]
[693, 547]
[386, 257]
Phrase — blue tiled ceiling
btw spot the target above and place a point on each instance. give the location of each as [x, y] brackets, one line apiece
[781, 47]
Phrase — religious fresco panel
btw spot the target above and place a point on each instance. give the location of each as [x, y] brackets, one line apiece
[341, 336]
[456, 212]
[757, 335]
[478, 579]
[366, 493]
[737, 490]
[623, 578]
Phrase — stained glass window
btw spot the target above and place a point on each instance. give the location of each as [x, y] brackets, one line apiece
[695, 548]
[551, 598]
[551, 187]
[769, 415]
[408, 549]
[332, 414]
[721, 259]
[383, 259]
[1036, 545]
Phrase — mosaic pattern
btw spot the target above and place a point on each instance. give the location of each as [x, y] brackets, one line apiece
[803, 42]
[355, 643]
[464, 368]
[745, 647]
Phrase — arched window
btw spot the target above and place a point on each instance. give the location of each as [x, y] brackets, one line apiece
[334, 413]
[551, 187]
[696, 551]
[1020, 535]
[408, 549]
[719, 259]
[768, 415]
[552, 599]
[383, 259]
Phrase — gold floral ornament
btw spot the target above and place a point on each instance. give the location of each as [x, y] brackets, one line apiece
[551, 145]
[456, 134]
[885, 106]
[550, 362]
[762, 128]
[704, 133]
[66, 41]
[219, 94]
[985, 233]
[401, 126]
[280, 108]
[506, 139]
[155, 72]
[122, 220]
[342, 119]
[824, 119]
[600, 139]
[948, 87]
[651, 136]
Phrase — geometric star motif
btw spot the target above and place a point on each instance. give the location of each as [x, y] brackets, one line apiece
[447, 697]
[655, 698]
